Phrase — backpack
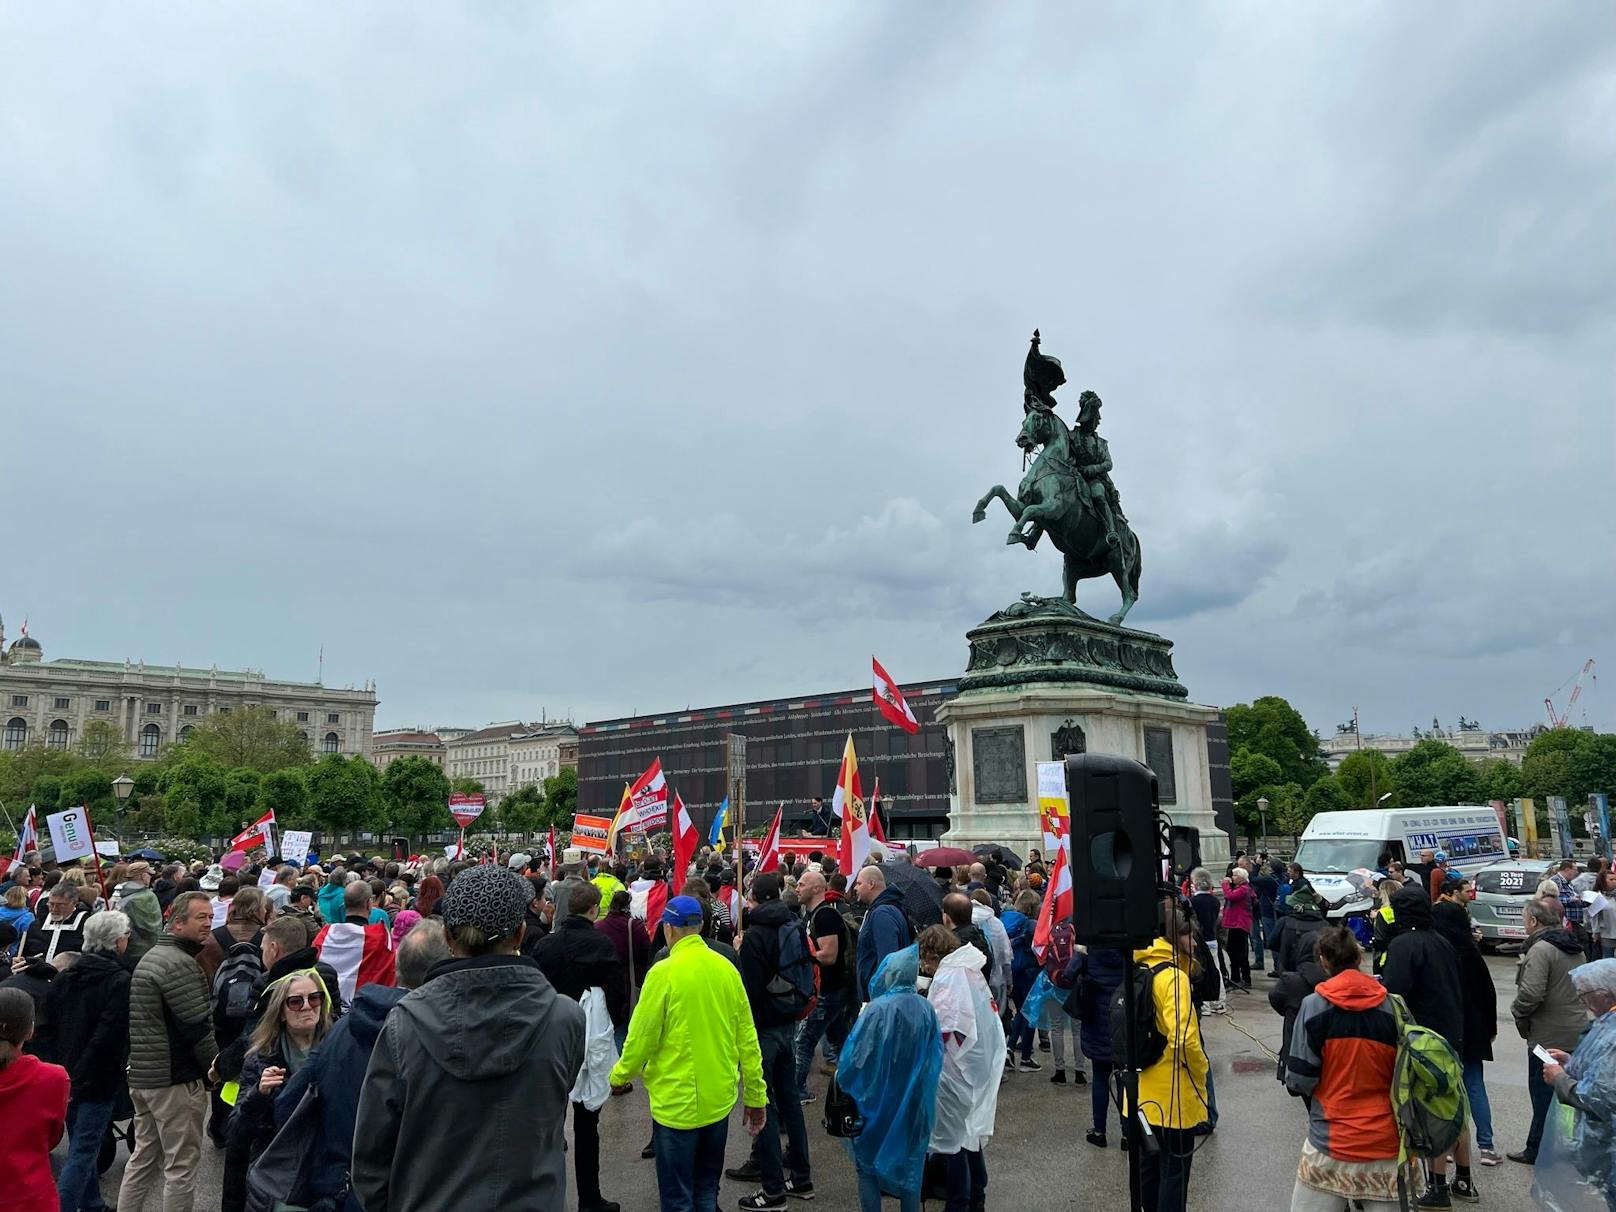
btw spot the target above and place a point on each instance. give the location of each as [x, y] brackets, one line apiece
[1149, 1042]
[233, 988]
[793, 989]
[848, 959]
[1428, 1093]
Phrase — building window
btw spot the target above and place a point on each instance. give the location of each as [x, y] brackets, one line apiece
[19, 700]
[189, 709]
[16, 733]
[63, 704]
[154, 709]
[331, 717]
[333, 743]
[302, 717]
[224, 711]
[56, 738]
[186, 731]
[150, 737]
[103, 704]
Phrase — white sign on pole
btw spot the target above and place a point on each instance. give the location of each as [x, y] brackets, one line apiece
[295, 845]
[70, 834]
[266, 877]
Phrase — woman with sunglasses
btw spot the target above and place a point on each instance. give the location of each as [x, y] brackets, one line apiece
[297, 1015]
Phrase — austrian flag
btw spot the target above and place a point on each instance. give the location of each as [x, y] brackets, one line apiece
[889, 699]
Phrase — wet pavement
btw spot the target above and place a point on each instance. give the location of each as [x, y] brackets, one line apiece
[1038, 1158]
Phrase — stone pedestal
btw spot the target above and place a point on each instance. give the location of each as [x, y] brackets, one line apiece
[1045, 681]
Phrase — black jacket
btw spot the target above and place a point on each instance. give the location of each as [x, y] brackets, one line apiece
[1480, 997]
[1287, 996]
[970, 934]
[36, 980]
[1293, 940]
[47, 939]
[760, 960]
[89, 1012]
[1423, 970]
[576, 957]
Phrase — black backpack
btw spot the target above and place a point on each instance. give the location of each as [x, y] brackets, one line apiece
[793, 989]
[1149, 1042]
[233, 989]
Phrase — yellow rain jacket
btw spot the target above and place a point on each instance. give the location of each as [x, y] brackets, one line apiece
[1172, 1092]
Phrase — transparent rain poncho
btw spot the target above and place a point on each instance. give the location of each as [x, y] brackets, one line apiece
[889, 1065]
[1576, 1166]
[973, 1052]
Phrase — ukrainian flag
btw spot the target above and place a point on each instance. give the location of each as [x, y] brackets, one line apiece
[715, 835]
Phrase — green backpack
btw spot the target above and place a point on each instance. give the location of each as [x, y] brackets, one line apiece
[1428, 1094]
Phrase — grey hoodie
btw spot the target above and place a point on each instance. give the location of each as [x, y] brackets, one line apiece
[465, 1099]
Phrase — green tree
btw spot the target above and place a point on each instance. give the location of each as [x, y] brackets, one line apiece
[561, 798]
[1287, 808]
[101, 744]
[1434, 772]
[345, 794]
[1273, 727]
[465, 786]
[285, 792]
[241, 797]
[1365, 776]
[1249, 774]
[251, 736]
[182, 818]
[144, 814]
[1500, 779]
[416, 793]
[93, 789]
[21, 769]
[46, 793]
[1325, 796]
[196, 783]
[523, 810]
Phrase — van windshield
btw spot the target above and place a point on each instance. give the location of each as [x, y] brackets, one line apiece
[1339, 854]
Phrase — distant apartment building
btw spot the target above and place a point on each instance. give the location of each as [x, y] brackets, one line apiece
[1476, 743]
[541, 754]
[485, 755]
[390, 744]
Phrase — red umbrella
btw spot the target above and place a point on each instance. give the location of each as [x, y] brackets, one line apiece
[945, 856]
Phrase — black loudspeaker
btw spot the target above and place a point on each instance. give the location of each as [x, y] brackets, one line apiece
[1184, 845]
[1116, 850]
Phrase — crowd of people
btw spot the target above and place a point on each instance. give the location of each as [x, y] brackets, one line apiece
[369, 1034]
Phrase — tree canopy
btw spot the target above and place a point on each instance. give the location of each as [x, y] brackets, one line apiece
[253, 737]
[416, 793]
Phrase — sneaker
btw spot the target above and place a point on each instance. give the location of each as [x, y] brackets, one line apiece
[746, 1172]
[759, 1200]
[1080, 1078]
[1488, 1157]
[1464, 1189]
[1436, 1196]
[1097, 1139]
[1043, 1045]
[1525, 1158]
[810, 1097]
[1059, 1079]
[796, 1190]
[1030, 1066]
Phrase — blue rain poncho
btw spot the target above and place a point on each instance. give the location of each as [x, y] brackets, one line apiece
[889, 1065]
[1576, 1167]
[1045, 1004]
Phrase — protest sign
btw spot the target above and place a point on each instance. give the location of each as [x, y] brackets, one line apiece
[465, 808]
[70, 834]
[591, 832]
[295, 845]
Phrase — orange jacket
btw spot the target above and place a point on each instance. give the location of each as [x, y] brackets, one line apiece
[1342, 1050]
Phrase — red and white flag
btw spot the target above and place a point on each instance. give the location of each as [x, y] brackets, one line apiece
[1057, 905]
[648, 801]
[260, 833]
[877, 833]
[769, 856]
[361, 955]
[554, 855]
[27, 840]
[854, 845]
[889, 700]
[685, 840]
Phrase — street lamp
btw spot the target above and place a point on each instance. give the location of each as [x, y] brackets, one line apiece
[121, 787]
[1262, 809]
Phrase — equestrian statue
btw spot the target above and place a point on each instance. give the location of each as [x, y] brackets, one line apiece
[1067, 492]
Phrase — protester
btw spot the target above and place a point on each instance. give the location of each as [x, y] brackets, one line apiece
[1602, 925]
[1094, 977]
[337, 1067]
[1004, 956]
[693, 1021]
[1019, 924]
[830, 1019]
[575, 958]
[1547, 1009]
[486, 1040]
[633, 947]
[1173, 1092]
[1585, 1080]
[1265, 920]
[34, 1096]
[1340, 1060]
[1237, 922]
[890, 1067]
[1572, 906]
[1479, 1004]
[1287, 996]
[885, 927]
[14, 912]
[1293, 937]
[89, 1008]
[60, 928]
[171, 1048]
[1063, 1027]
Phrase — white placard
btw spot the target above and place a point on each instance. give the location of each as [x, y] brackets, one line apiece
[107, 849]
[295, 845]
[70, 834]
[266, 877]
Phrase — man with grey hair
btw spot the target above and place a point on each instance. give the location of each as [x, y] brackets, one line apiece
[88, 1008]
[337, 1067]
[1547, 1009]
[279, 894]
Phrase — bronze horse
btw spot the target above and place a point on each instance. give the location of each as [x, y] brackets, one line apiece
[1052, 498]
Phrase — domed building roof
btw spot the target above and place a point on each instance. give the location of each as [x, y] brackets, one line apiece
[26, 642]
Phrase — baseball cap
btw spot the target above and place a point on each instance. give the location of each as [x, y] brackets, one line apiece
[517, 861]
[682, 911]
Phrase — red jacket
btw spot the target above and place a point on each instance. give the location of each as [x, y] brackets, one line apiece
[34, 1096]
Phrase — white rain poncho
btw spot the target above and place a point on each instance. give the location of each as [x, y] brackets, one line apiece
[973, 1052]
[1576, 1167]
[594, 1083]
[999, 942]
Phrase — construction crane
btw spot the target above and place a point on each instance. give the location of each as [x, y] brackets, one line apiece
[1560, 721]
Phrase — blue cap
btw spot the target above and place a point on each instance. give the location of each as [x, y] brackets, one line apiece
[1441, 856]
[682, 911]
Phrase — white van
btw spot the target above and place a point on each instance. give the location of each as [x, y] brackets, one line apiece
[1335, 843]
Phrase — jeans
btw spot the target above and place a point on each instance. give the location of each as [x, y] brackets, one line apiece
[1311, 1199]
[619, 1037]
[1021, 1031]
[778, 1045]
[1065, 1026]
[1165, 1175]
[1100, 1093]
[967, 1180]
[168, 1146]
[1239, 962]
[79, 1183]
[586, 1154]
[828, 1020]
[689, 1162]
[1480, 1109]
[1542, 1099]
[869, 1191]
[1264, 935]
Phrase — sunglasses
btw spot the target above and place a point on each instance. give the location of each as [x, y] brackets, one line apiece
[305, 1001]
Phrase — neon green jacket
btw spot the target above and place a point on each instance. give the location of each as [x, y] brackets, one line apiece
[608, 884]
[691, 1032]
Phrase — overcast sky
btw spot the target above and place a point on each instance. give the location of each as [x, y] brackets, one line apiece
[595, 359]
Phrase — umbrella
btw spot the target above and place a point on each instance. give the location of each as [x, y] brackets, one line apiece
[945, 856]
[150, 855]
[233, 861]
[922, 895]
[986, 849]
